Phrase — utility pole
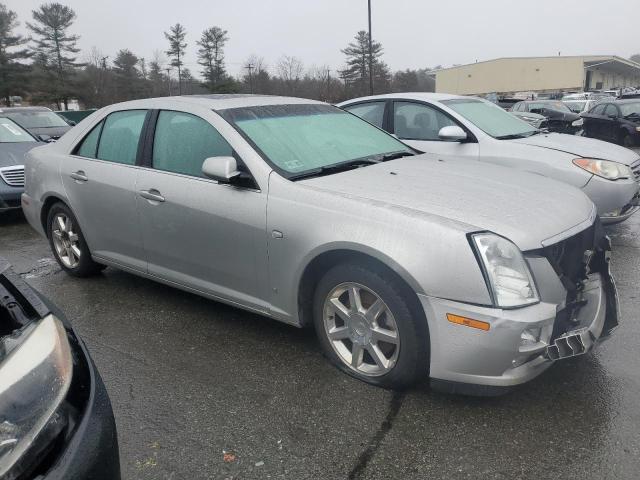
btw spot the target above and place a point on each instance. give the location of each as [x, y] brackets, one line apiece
[250, 67]
[328, 85]
[169, 79]
[370, 53]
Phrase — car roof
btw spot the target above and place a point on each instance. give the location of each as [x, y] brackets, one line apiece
[23, 109]
[215, 101]
[428, 96]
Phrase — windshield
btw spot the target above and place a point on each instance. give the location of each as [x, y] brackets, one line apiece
[576, 106]
[37, 119]
[629, 109]
[12, 133]
[491, 119]
[552, 105]
[303, 138]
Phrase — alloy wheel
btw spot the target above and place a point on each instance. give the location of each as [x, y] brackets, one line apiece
[361, 329]
[65, 240]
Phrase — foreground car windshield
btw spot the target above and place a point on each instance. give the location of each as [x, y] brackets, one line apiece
[12, 133]
[491, 119]
[38, 119]
[301, 138]
[630, 109]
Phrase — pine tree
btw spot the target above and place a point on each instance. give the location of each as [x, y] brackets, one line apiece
[356, 72]
[211, 56]
[177, 47]
[53, 42]
[127, 75]
[12, 73]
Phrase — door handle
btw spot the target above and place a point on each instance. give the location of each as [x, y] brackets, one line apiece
[152, 195]
[79, 176]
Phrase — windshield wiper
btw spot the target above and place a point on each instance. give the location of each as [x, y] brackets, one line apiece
[514, 136]
[393, 155]
[336, 167]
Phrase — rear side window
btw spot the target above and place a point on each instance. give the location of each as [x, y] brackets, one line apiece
[120, 136]
[371, 112]
[183, 141]
[414, 121]
[89, 146]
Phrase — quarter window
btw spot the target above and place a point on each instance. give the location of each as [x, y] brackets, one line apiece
[121, 136]
[183, 141]
[372, 112]
[89, 145]
[414, 121]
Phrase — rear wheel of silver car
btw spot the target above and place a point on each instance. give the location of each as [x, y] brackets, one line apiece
[68, 244]
[369, 327]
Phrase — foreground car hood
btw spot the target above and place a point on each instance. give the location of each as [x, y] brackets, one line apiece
[13, 153]
[581, 147]
[526, 208]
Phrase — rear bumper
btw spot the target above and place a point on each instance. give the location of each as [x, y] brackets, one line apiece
[473, 361]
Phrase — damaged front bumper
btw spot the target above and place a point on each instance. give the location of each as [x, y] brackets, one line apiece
[521, 343]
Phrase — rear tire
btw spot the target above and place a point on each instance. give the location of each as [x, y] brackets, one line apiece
[369, 327]
[68, 244]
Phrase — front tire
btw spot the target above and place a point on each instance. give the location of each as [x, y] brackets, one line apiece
[68, 244]
[369, 327]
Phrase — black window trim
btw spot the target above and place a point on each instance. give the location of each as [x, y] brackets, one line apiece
[471, 138]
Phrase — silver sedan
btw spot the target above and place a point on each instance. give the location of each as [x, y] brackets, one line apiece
[407, 265]
[466, 127]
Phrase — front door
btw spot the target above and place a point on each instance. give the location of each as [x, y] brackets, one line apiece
[418, 125]
[100, 181]
[199, 233]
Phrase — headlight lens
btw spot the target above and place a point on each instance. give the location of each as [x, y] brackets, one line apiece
[604, 168]
[509, 276]
[34, 380]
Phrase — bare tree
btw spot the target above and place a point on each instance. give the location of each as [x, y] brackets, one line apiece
[290, 70]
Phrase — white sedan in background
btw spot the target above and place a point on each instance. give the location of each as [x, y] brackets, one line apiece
[455, 126]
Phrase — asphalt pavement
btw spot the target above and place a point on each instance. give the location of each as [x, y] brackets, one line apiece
[201, 390]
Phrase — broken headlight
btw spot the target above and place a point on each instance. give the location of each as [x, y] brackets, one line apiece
[507, 272]
[34, 379]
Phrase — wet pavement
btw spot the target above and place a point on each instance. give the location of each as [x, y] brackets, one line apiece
[191, 379]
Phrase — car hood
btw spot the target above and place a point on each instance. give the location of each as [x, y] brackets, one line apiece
[581, 147]
[529, 209]
[13, 153]
[53, 132]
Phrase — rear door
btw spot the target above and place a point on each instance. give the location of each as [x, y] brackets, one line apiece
[99, 178]
[418, 125]
[199, 233]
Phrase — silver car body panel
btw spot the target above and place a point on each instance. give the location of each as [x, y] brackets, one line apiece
[549, 154]
[251, 247]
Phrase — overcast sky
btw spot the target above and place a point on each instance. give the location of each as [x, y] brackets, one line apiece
[414, 33]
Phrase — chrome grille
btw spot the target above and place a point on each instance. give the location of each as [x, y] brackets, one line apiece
[635, 167]
[13, 176]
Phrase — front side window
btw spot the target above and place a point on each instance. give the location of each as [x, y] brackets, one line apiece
[37, 119]
[183, 141]
[598, 109]
[304, 137]
[10, 132]
[630, 109]
[491, 119]
[120, 136]
[415, 121]
[372, 112]
[89, 146]
[611, 110]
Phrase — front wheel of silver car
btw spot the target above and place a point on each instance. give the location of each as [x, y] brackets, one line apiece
[370, 326]
[68, 244]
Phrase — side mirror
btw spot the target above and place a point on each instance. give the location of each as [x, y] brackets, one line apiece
[452, 133]
[71, 123]
[222, 169]
[613, 117]
[45, 138]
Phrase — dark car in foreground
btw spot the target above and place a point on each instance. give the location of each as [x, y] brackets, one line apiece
[40, 122]
[56, 420]
[559, 117]
[617, 122]
[14, 143]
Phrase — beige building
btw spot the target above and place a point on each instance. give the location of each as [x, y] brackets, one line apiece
[539, 74]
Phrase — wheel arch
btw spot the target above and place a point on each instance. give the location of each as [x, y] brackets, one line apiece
[322, 261]
[47, 202]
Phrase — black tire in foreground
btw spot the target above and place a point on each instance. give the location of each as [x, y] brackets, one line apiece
[68, 244]
[378, 317]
